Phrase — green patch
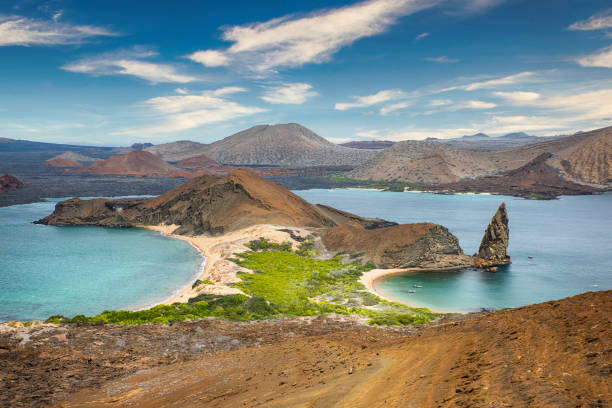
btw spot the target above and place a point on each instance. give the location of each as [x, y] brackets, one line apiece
[284, 283]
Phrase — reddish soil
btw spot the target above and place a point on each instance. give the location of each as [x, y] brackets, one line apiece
[137, 163]
[60, 162]
[8, 182]
[555, 354]
[197, 163]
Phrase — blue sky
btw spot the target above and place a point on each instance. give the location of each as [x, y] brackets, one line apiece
[110, 72]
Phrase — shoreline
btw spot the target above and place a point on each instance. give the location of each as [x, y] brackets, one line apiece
[370, 278]
[216, 252]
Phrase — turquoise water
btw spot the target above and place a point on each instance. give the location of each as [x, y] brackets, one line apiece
[570, 240]
[71, 270]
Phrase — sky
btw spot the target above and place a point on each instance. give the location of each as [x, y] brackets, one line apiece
[116, 72]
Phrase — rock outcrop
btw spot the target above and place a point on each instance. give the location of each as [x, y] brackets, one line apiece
[8, 182]
[423, 245]
[494, 244]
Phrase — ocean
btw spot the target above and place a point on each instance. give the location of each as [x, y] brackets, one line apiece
[47, 270]
[559, 248]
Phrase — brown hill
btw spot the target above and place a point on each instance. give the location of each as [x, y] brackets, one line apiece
[535, 178]
[8, 182]
[206, 204]
[589, 160]
[427, 162]
[61, 162]
[400, 246]
[553, 354]
[584, 156]
[136, 163]
[197, 163]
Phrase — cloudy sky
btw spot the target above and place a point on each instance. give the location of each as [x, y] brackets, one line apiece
[114, 72]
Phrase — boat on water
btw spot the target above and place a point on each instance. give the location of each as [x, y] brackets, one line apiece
[412, 291]
[417, 286]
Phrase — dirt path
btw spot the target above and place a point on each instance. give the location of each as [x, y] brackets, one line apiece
[556, 354]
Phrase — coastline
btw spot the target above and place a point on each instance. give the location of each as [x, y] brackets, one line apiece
[370, 278]
[217, 251]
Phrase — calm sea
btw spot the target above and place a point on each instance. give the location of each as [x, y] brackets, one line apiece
[71, 270]
[569, 241]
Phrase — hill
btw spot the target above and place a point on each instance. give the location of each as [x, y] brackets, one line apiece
[207, 204]
[197, 163]
[136, 163]
[585, 157]
[481, 142]
[176, 151]
[61, 162]
[279, 145]
[534, 179]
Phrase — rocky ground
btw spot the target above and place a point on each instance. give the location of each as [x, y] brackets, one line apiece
[552, 354]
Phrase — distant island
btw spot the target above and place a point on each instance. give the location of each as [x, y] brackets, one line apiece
[297, 158]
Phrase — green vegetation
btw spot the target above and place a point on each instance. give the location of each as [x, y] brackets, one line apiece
[394, 185]
[284, 283]
[538, 196]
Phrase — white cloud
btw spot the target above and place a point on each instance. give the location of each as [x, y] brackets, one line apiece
[439, 102]
[129, 63]
[514, 79]
[369, 100]
[603, 59]
[292, 42]
[601, 21]
[442, 60]
[518, 97]
[421, 36]
[386, 110]
[17, 30]
[188, 111]
[290, 93]
[210, 58]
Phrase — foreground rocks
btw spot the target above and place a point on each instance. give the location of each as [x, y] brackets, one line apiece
[551, 354]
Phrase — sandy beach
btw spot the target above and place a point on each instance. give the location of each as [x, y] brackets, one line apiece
[218, 250]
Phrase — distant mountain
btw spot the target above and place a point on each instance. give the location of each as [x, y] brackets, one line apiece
[176, 151]
[197, 163]
[61, 162]
[12, 145]
[535, 177]
[586, 157]
[284, 145]
[481, 142]
[368, 144]
[136, 163]
[425, 162]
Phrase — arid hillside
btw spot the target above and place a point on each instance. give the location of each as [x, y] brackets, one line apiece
[135, 163]
[554, 354]
[584, 157]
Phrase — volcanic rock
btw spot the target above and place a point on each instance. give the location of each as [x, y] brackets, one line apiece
[206, 204]
[423, 245]
[136, 163]
[494, 243]
[61, 162]
[8, 182]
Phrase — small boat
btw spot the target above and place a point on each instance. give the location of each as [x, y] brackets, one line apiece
[412, 291]
[416, 286]
[530, 257]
